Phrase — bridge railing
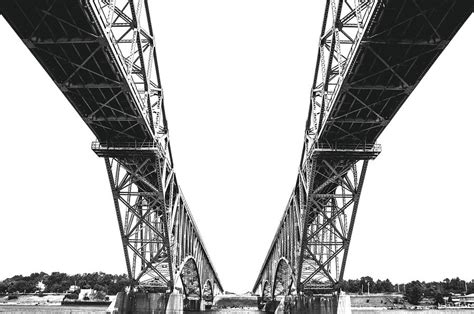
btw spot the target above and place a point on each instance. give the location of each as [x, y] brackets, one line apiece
[133, 145]
[348, 147]
[118, 149]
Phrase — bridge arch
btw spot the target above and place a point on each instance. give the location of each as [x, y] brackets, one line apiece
[267, 291]
[283, 279]
[190, 279]
[208, 291]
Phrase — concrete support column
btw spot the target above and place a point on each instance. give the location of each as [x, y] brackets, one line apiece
[312, 304]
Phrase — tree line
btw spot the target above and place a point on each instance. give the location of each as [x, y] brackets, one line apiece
[58, 282]
[61, 282]
[414, 291]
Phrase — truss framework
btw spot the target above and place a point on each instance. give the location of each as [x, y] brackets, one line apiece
[126, 26]
[328, 224]
[315, 231]
[102, 55]
[372, 54]
[159, 237]
[142, 218]
[309, 251]
[344, 24]
[164, 241]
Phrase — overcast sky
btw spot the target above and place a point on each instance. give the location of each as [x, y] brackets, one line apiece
[236, 78]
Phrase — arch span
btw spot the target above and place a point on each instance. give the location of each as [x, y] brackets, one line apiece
[283, 279]
[266, 291]
[208, 292]
[190, 279]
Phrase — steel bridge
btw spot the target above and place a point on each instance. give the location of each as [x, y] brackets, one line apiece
[102, 55]
[372, 54]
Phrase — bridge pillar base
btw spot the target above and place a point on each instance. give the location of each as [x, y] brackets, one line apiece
[175, 303]
[271, 306]
[139, 302]
[312, 304]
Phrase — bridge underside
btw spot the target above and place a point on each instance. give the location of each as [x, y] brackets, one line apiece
[102, 56]
[69, 43]
[402, 41]
[372, 55]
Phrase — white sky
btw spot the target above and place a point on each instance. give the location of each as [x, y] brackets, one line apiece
[237, 76]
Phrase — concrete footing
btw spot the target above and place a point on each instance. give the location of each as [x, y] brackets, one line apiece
[175, 304]
[344, 304]
[142, 302]
[310, 304]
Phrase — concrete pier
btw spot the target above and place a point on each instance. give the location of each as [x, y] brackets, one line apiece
[142, 302]
[175, 304]
[340, 304]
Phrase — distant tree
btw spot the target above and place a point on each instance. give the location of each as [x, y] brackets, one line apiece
[98, 287]
[470, 287]
[21, 286]
[387, 286]
[118, 285]
[55, 287]
[455, 285]
[414, 292]
[57, 282]
[439, 299]
[433, 289]
[3, 287]
[60, 282]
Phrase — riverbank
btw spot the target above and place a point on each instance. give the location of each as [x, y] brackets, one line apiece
[52, 308]
[49, 299]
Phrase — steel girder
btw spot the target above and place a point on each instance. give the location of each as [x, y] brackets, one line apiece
[126, 26]
[108, 72]
[372, 54]
[182, 262]
[382, 63]
[309, 251]
[102, 56]
[344, 24]
[314, 234]
[162, 246]
[328, 222]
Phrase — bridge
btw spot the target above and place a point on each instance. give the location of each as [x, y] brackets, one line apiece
[102, 56]
[372, 54]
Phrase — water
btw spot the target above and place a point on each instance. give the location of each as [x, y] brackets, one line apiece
[55, 309]
[431, 311]
[58, 309]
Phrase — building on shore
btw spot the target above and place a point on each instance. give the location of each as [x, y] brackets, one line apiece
[467, 299]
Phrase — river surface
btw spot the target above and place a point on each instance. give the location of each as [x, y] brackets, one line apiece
[432, 311]
[57, 309]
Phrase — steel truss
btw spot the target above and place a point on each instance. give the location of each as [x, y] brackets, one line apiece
[372, 54]
[314, 235]
[102, 56]
[126, 26]
[162, 246]
[344, 24]
[143, 223]
[309, 251]
[327, 225]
